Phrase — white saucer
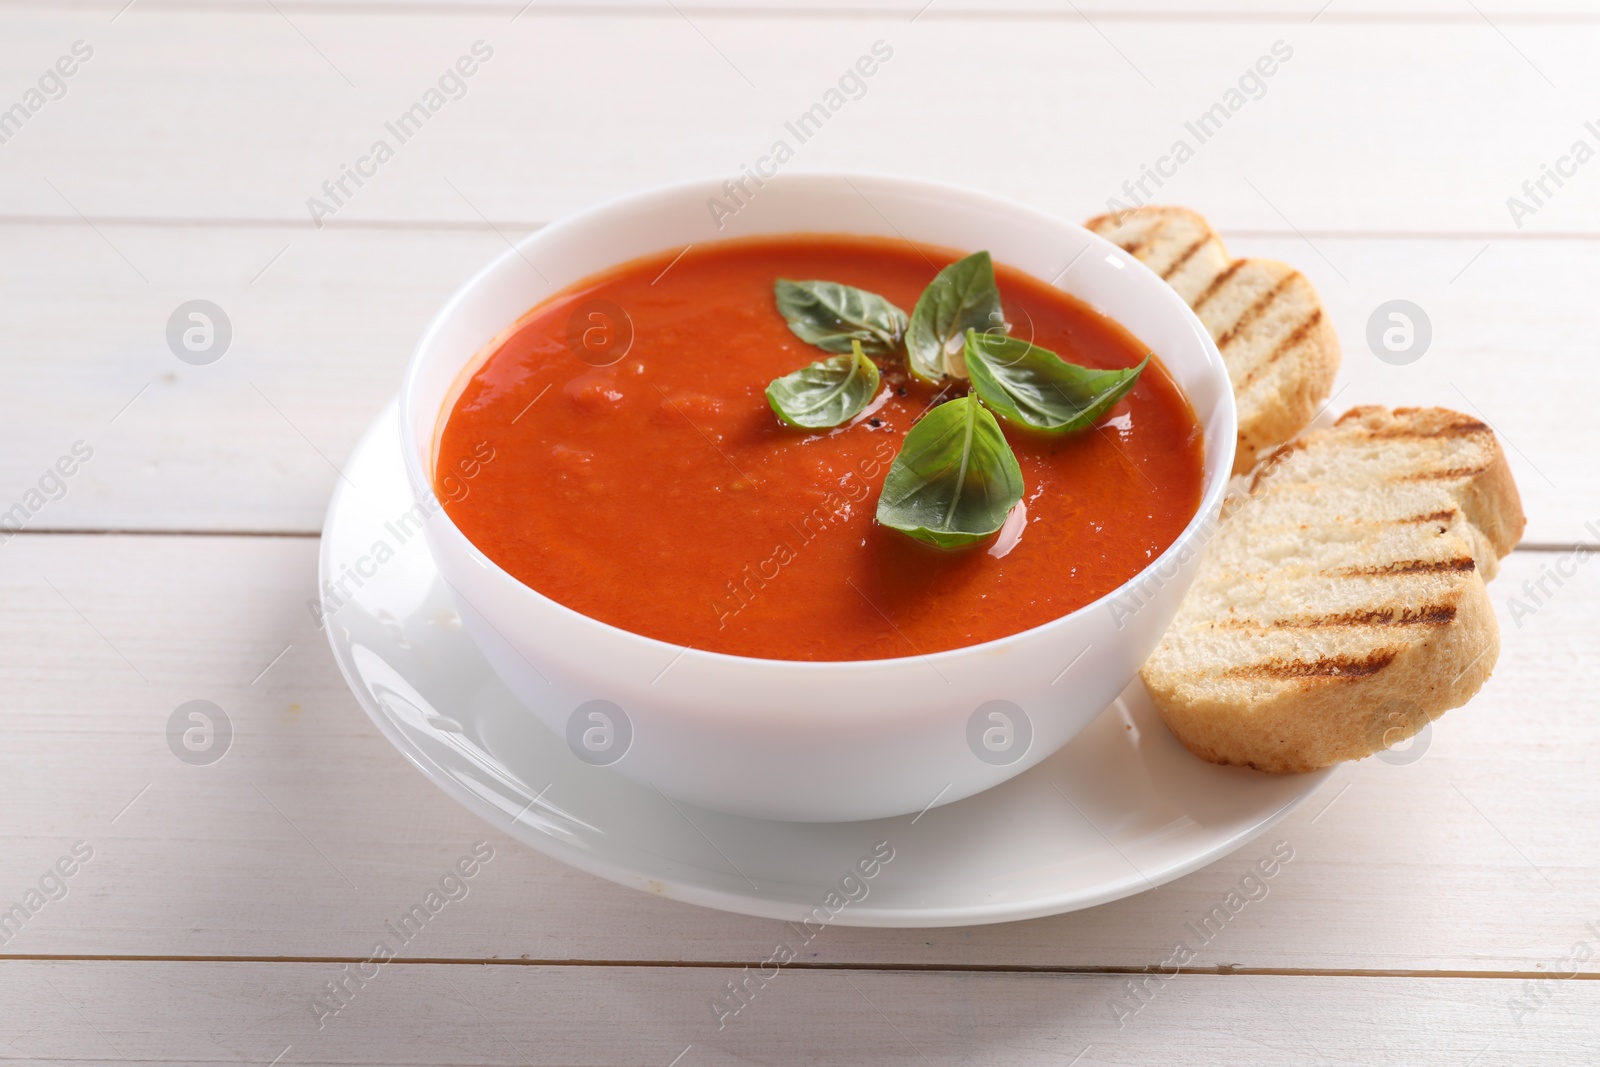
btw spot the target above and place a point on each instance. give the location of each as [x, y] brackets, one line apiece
[1121, 809]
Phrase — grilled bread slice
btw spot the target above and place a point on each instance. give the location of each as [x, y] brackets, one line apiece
[1280, 350]
[1341, 604]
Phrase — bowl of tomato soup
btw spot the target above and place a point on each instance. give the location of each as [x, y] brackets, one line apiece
[699, 594]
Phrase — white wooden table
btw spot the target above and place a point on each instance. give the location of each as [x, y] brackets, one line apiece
[1440, 911]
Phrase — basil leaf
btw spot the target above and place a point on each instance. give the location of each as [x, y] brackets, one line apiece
[1034, 387]
[831, 316]
[955, 479]
[826, 393]
[961, 297]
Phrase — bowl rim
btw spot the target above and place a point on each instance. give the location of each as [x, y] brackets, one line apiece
[421, 481]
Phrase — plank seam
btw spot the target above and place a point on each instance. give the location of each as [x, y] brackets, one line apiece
[1222, 970]
[864, 13]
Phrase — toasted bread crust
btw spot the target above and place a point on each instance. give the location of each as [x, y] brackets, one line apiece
[1280, 349]
[1388, 623]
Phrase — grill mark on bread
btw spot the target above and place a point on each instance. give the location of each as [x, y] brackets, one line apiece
[1448, 472]
[1185, 256]
[1133, 246]
[1112, 221]
[1255, 310]
[1394, 615]
[1437, 516]
[1408, 566]
[1343, 667]
[1266, 466]
[1427, 615]
[1391, 433]
[1217, 283]
[1287, 343]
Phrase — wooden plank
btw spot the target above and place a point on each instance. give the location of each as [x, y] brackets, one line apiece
[321, 337]
[1348, 135]
[109, 1013]
[250, 442]
[1478, 857]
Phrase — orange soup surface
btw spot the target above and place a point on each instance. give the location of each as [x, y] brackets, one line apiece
[660, 493]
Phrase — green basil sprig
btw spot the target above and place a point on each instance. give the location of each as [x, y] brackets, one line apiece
[831, 316]
[826, 393]
[961, 297]
[1034, 387]
[955, 479]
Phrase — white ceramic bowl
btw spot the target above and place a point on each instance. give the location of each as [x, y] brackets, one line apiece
[796, 740]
